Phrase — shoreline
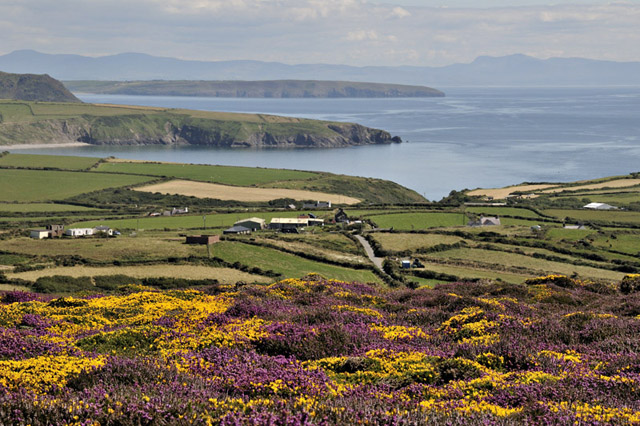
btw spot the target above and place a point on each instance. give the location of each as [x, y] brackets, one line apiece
[44, 145]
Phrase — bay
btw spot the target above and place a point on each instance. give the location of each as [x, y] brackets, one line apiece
[474, 137]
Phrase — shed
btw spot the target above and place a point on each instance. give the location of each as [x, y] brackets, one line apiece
[253, 223]
[39, 234]
[238, 230]
[202, 239]
[485, 221]
[103, 229]
[406, 264]
[287, 223]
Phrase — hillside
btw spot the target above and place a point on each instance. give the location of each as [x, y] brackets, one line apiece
[41, 123]
[31, 87]
[255, 89]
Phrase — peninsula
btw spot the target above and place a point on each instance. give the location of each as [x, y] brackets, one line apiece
[254, 89]
[39, 110]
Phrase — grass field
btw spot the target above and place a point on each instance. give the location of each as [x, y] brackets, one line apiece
[410, 221]
[500, 193]
[47, 161]
[218, 220]
[502, 211]
[122, 248]
[401, 242]
[535, 266]
[43, 207]
[239, 176]
[618, 199]
[625, 243]
[613, 216]
[616, 183]
[226, 192]
[192, 272]
[472, 273]
[557, 234]
[310, 247]
[289, 265]
[44, 185]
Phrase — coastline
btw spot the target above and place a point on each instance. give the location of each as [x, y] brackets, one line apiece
[44, 145]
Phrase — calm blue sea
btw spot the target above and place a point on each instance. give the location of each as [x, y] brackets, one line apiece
[474, 137]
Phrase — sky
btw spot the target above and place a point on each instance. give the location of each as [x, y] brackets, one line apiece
[350, 32]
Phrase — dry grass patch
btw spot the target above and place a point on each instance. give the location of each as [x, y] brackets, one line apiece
[193, 272]
[226, 192]
[618, 183]
[401, 242]
[499, 193]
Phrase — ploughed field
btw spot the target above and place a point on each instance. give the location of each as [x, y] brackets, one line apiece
[555, 350]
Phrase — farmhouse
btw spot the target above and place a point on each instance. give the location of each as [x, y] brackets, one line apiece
[599, 206]
[79, 232]
[202, 239]
[238, 230]
[485, 221]
[55, 230]
[341, 217]
[253, 223]
[282, 223]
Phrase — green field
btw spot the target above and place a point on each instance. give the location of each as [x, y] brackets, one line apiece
[44, 185]
[42, 207]
[411, 221]
[402, 242]
[289, 265]
[612, 216]
[239, 176]
[501, 211]
[474, 273]
[530, 264]
[47, 161]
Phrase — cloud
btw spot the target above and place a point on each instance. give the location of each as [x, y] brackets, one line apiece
[355, 32]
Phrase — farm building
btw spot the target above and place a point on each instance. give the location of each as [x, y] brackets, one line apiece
[55, 230]
[312, 220]
[341, 217]
[104, 229]
[253, 223]
[238, 230]
[39, 234]
[484, 221]
[317, 205]
[599, 206]
[580, 226]
[282, 223]
[79, 232]
[202, 239]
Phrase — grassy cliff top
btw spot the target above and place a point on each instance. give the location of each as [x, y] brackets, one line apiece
[33, 87]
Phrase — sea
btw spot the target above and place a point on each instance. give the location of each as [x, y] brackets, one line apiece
[473, 137]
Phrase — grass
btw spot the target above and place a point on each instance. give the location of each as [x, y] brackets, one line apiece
[558, 234]
[43, 207]
[625, 243]
[45, 185]
[239, 176]
[527, 263]
[11, 287]
[47, 161]
[309, 246]
[502, 211]
[289, 265]
[622, 198]
[612, 216]
[123, 248]
[12, 259]
[402, 242]
[192, 272]
[467, 273]
[410, 221]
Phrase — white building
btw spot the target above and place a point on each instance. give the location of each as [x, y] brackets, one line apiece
[40, 234]
[253, 223]
[79, 232]
[599, 206]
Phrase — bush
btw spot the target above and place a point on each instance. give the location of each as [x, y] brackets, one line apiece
[62, 284]
[630, 284]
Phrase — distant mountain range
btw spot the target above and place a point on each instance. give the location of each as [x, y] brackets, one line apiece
[513, 70]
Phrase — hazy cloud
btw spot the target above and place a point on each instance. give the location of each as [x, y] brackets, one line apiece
[355, 32]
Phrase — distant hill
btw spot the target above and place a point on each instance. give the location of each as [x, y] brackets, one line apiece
[513, 70]
[255, 89]
[31, 87]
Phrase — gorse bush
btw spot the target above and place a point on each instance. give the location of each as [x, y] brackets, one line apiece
[318, 351]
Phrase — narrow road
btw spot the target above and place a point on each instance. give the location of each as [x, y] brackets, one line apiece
[377, 261]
